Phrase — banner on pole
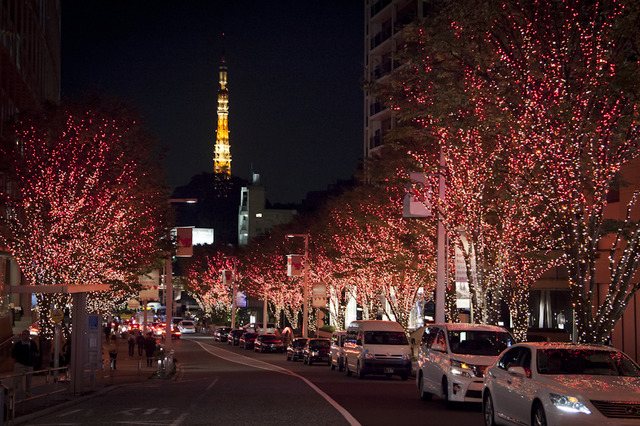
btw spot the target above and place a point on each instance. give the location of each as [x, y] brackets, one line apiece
[415, 204]
[294, 265]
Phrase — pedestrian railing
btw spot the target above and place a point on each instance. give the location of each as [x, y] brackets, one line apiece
[44, 384]
[166, 364]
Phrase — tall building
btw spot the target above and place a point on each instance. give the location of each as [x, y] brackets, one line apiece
[29, 78]
[384, 21]
[222, 152]
[254, 219]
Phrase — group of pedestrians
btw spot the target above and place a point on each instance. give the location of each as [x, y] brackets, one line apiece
[146, 344]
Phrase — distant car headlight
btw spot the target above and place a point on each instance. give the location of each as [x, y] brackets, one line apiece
[461, 369]
[569, 404]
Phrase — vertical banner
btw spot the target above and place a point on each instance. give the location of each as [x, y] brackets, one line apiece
[294, 265]
[150, 286]
[414, 203]
[319, 295]
[227, 276]
[185, 241]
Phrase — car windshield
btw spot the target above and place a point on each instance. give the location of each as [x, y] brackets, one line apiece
[298, 343]
[586, 361]
[187, 323]
[270, 339]
[477, 342]
[319, 344]
[385, 338]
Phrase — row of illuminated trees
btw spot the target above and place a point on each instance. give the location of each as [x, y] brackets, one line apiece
[528, 109]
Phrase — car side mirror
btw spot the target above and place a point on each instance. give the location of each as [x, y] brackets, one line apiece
[437, 347]
[517, 370]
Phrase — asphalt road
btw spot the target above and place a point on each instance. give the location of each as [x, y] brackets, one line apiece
[219, 384]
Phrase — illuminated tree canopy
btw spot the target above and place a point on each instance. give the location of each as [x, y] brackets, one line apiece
[534, 106]
[89, 206]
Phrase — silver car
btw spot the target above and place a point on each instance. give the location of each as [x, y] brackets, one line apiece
[562, 384]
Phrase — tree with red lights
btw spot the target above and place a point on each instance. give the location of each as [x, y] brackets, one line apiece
[382, 259]
[550, 91]
[89, 207]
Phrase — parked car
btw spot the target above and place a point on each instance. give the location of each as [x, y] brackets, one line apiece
[294, 348]
[268, 343]
[187, 327]
[233, 338]
[316, 350]
[452, 359]
[247, 340]
[221, 333]
[562, 384]
[377, 347]
[336, 352]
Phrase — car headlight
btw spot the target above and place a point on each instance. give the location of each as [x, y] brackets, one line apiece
[315, 353]
[570, 404]
[461, 369]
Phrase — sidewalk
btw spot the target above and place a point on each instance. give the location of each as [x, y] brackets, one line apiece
[49, 395]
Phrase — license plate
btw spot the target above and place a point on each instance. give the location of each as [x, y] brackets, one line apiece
[388, 370]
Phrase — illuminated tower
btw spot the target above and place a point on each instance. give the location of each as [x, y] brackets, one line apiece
[222, 153]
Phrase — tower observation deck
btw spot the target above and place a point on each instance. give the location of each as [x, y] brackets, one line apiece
[222, 152]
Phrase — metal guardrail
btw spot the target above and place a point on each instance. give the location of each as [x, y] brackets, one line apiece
[52, 383]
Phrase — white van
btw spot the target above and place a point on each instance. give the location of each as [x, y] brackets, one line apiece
[377, 347]
[453, 358]
[337, 353]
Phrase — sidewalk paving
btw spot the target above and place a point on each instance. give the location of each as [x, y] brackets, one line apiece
[129, 369]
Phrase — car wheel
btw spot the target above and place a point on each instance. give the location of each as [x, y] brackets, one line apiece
[487, 410]
[346, 367]
[404, 377]
[424, 395]
[445, 392]
[340, 364]
[359, 371]
[288, 357]
[538, 417]
[333, 367]
[309, 362]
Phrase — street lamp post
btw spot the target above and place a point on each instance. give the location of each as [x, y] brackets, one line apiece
[168, 285]
[305, 292]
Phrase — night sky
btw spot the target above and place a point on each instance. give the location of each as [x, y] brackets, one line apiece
[294, 78]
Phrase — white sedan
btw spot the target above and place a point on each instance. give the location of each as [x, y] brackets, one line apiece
[187, 327]
[562, 384]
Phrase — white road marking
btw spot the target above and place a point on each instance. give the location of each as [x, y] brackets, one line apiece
[213, 383]
[252, 362]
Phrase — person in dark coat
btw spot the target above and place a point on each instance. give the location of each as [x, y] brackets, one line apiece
[132, 343]
[149, 348]
[24, 353]
[140, 340]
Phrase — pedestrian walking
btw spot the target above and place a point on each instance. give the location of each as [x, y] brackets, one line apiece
[24, 353]
[107, 333]
[113, 352]
[140, 340]
[132, 344]
[150, 348]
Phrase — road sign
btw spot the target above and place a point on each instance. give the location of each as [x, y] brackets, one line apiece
[56, 314]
